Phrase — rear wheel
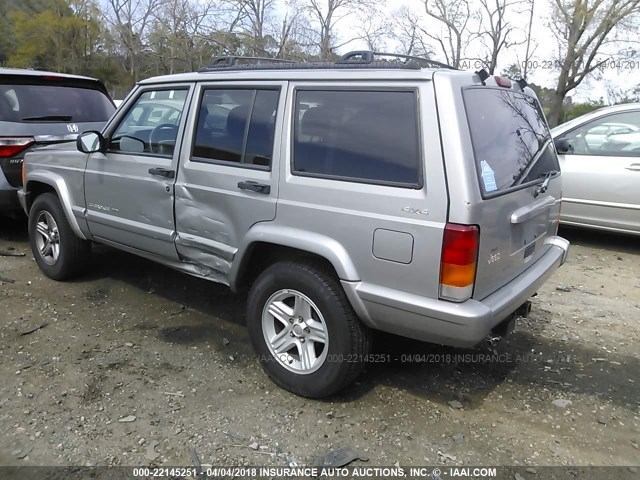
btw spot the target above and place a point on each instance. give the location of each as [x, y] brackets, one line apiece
[308, 339]
[59, 253]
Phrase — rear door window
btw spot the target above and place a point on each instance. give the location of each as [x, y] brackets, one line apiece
[511, 141]
[236, 126]
[360, 136]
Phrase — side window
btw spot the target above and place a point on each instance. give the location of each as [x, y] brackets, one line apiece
[151, 124]
[236, 126]
[613, 135]
[362, 136]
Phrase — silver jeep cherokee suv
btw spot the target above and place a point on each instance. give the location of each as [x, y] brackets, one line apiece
[399, 195]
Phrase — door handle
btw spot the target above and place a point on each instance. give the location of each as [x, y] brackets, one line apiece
[634, 166]
[527, 212]
[254, 186]
[163, 172]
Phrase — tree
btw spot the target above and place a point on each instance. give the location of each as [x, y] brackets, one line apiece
[528, 53]
[288, 32]
[455, 17]
[61, 38]
[171, 35]
[495, 30]
[373, 30]
[254, 17]
[130, 20]
[326, 14]
[410, 34]
[8, 41]
[583, 29]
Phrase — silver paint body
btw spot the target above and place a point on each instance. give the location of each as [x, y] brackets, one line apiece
[384, 242]
[598, 191]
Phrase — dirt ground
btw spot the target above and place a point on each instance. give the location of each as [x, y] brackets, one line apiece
[136, 364]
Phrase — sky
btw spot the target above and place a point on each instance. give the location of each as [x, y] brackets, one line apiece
[545, 46]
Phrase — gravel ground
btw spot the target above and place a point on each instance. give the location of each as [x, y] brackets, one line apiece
[135, 364]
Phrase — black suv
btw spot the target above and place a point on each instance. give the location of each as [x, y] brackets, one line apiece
[42, 108]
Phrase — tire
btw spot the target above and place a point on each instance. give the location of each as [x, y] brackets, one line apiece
[59, 253]
[289, 307]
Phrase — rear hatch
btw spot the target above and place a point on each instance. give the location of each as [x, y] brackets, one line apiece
[38, 110]
[509, 181]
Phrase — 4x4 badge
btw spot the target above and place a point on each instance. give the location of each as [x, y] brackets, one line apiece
[73, 128]
[416, 211]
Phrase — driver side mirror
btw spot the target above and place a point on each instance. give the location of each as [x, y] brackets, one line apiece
[563, 145]
[90, 142]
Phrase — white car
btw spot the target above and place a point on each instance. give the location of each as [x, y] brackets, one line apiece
[600, 161]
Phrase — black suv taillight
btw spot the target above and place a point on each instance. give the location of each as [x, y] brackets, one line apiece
[12, 146]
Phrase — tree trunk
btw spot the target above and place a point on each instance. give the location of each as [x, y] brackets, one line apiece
[325, 45]
[555, 108]
[494, 61]
[132, 65]
[526, 52]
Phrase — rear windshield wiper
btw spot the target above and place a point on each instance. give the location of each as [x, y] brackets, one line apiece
[545, 183]
[534, 159]
[48, 118]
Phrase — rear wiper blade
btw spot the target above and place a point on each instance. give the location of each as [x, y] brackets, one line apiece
[48, 118]
[545, 184]
[534, 159]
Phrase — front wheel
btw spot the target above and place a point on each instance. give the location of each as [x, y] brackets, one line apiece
[59, 253]
[307, 337]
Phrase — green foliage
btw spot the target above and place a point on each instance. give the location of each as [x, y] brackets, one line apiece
[544, 95]
[7, 35]
[61, 36]
[54, 39]
[574, 111]
[513, 71]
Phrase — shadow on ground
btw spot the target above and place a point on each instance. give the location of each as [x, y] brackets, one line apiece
[14, 229]
[438, 373]
[603, 240]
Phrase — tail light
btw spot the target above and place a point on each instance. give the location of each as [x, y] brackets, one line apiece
[12, 146]
[458, 261]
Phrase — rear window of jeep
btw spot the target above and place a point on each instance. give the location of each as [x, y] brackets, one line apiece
[360, 136]
[510, 137]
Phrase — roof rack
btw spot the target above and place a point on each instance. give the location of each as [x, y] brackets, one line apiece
[356, 59]
[368, 56]
[233, 60]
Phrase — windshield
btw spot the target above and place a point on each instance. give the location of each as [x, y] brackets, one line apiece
[53, 103]
[511, 140]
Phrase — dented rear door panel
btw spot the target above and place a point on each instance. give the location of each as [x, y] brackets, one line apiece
[213, 212]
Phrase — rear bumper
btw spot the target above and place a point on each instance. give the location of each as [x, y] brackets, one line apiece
[458, 324]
